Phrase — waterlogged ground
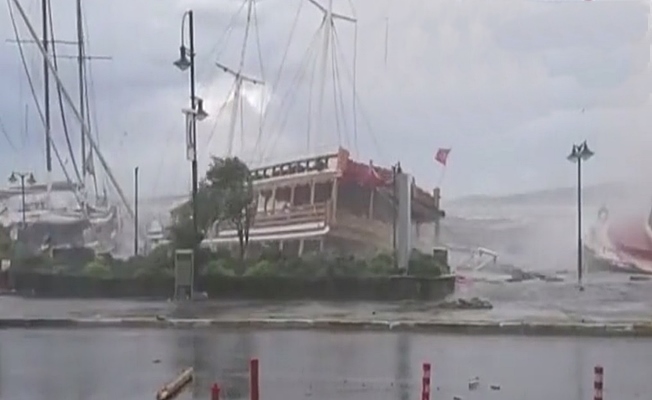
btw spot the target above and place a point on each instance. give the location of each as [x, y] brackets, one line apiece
[132, 365]
[607, 298]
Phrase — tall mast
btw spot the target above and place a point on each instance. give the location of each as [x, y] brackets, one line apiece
[327, 31]
[239, 79]
[80, 73]
[71, 104]
[46, 94]
[327, 25]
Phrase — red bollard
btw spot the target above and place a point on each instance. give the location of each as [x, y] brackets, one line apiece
[425, 383]
[215, 392]
[598, 382]
[254, 389]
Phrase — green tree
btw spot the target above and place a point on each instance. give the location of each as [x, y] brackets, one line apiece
[5, 243]
[208, 211]
[231, 178]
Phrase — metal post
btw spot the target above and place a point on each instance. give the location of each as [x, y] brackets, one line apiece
[22, 192]
[46, 87]
[579, 222]
[394, 215]
[191, 27]
[136, 211]
[80, 77]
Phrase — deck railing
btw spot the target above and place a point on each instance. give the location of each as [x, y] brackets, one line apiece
[294, 215]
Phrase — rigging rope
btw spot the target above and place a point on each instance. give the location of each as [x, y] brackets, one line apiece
[6, 135]
[354, 87]
[280, 70]
[363, 114]
[62, 113]
[33, 90]
[333, 73]
[310, 55]
[262, 77]
[338, 82]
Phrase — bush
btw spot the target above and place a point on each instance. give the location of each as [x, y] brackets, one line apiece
[97, 269]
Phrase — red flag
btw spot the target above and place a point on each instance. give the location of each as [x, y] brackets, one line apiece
[442, 155]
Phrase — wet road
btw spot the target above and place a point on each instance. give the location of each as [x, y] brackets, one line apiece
[119, 364]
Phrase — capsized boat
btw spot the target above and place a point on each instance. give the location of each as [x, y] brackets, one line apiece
[619, 245]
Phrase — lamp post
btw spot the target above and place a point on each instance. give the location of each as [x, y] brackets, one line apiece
[136, 211]
[196, 112]
[578, 154]
[13, 178]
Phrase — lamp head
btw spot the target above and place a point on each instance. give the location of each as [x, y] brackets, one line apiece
[12, 178]
[183, 63]
[574, 155]
[584, 152]
[30, 179]
[201, 114]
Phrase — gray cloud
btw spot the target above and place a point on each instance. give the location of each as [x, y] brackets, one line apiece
[503, 83]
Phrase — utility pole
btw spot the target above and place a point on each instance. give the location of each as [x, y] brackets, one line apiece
[579, 153]
[15, 177]
[239, 79]
[136, 211]
[396, 169]
[45, 4]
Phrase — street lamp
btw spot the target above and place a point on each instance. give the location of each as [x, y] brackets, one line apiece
[196, 112]
[578, 154]
[14, 177]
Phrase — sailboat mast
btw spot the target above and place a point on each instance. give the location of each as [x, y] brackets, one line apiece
[82, 90]
[73, 107]
[327, 26]
[46, 92]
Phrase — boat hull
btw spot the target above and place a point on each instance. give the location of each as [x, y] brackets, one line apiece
[595, 261]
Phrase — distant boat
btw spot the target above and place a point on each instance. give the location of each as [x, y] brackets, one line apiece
[62, 215]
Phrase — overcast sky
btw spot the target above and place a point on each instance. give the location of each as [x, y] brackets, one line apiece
[509, 85]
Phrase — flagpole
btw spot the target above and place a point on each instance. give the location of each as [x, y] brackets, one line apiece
[441, 176]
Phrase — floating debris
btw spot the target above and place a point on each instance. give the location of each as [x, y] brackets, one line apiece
[494, 387]
[474, 383]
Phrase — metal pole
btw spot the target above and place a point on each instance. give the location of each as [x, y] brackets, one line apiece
[191, 37]
[136, 211]
[80, 77]
[22, 192]
[394, 214]
[46, 87]
[191, 27]
[579, 222]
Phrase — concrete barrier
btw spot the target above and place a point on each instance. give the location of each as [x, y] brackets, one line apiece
[642, 329]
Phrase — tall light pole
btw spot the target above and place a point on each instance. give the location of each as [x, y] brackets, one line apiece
[196, 112]
[136, 211]
[578, 154]
[13, 178]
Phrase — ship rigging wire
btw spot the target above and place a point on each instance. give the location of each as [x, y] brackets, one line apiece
[341, 123]
[309, 56]
[62, 112]
[6, 135]
[275, 82]
[91, 107]
[363, 114]
[33, 90]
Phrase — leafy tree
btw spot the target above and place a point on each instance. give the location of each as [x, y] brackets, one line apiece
[208, 211]
[231, 179]
[5, 242]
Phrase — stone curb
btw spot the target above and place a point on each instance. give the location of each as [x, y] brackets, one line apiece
[642, 329]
